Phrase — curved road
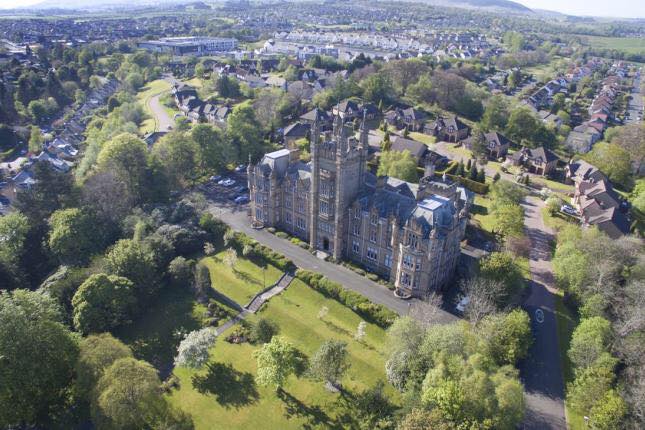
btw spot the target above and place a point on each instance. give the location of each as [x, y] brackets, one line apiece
[163, 121]
[541, 371]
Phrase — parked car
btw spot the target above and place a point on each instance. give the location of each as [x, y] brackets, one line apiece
[241, 189]
[240, 168]
[242, 200]
[569, 210]
[215, 178]
[228, 182]
[461, 306]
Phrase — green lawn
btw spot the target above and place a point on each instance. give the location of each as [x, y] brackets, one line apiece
[555, 186]
[630, 45]
[424, 138]
[242, 282]
[224, 394]
[482, 213]
[557, 222]
[143, 97]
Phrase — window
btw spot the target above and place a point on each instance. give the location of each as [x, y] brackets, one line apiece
[405, 279]
[356, 246]
[408, 262]
[287, 202]
[300, 222]
[324, 208]
[357, 214]
[412, 240]
[356, 228]
[373, 235]
[388, 260]
[372, 253]
[258, 215]
[373, 219]
[287, 217]
[258, 199]
[326, 227]
[301, 205]
[418, 265]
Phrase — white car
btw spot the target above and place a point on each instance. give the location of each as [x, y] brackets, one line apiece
[228, 182]
[569, 210]
[461, 306]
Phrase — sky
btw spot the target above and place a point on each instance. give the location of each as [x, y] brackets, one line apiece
[614, 8]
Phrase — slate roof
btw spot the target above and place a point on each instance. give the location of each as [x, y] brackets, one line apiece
[416, 148]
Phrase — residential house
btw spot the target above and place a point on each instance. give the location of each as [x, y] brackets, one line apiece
[449, 129]
[539, 161]
[497, 144]
[417, 149]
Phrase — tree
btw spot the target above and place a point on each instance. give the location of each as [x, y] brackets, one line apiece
[128, 259]
[478, 145]
[102, 303]
[421, 91]
[376, 88]
[245, 132]
[35, 140]
[589, 340]
[613, 161]
[360, 331]
[127, 395]
[180, 156]
[276, 360]
[213, 149]
[127, 156]
[227, 87]
[505, 192]
[509, 220]
[193, 351]
[501, 267]
[97, 353]
[524, 126]
[230, 258]
[508, 336]
[14, 228]
[329, 363]
[404, 73]
[591, 384]
[609, 412]
[263, 331]
[398, 164]
[73, 235]
[37, 356]
[553, 205]
[181, 271]
[448, 89]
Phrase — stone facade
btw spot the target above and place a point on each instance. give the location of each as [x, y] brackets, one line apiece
[407, 233]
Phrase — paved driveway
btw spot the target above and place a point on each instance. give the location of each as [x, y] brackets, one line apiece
[236, 217]
[541, 371]
[163, 121]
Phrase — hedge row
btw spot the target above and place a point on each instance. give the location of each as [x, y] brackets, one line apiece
[255, 250]
[369, 311]
[473, 186]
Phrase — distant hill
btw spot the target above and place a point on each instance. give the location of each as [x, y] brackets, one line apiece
[500, 5]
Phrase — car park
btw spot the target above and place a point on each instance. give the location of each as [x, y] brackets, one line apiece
[241, 189]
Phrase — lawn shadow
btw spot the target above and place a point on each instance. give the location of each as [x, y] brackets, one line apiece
[336, 328]
[478, 210]
[315, 415]
[245, 277]
[230, 387]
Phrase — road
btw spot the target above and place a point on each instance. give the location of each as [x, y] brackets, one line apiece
[635, 107]
[541, 372]
[163, 121]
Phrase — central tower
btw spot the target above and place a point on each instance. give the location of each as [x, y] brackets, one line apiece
[337, 174]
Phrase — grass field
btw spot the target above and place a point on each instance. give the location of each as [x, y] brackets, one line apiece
[143, 96]
[482, 212]
[629, 45]
[242, 282]
[224, 394]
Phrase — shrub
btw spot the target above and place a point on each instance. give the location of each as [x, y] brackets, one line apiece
[282, 235]
[271, 230]
[369, 311]
[373, 277]
[263, 331]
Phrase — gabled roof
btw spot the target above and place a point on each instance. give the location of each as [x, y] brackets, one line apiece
[297, 130]
[311, 115]
[416, 148]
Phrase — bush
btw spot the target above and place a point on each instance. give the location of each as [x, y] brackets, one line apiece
[373, 277]
[271, 230]
[265, 255]
[282, 235]
[263, 331]
[369, 311]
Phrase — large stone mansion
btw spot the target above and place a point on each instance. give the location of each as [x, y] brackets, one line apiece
[407, 233]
